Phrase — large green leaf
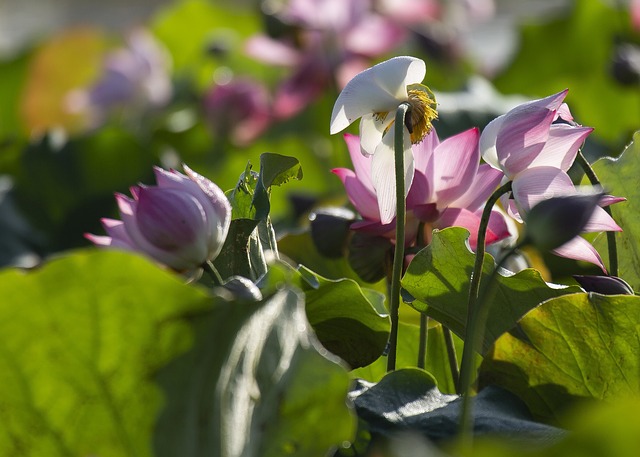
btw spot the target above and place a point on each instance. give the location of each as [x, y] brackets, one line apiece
[619, 178]
[350, 321]
[81, 337]
[254, 385]
[579, 345]
[438, 278]
[576, 53]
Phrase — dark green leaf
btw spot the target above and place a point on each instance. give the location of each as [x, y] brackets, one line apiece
[275, 170]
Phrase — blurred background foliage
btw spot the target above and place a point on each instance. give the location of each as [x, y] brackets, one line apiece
[60, 165]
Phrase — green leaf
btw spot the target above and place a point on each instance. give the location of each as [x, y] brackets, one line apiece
[242, 253]
[275, 170]
[438, 278]
[619, 178]
[351, 324]
[407, 357]
[254, 385]
[349, 321]
[574, 346]
[82, 336]
[583, 46]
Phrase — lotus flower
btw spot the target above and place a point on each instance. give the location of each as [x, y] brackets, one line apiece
[449, 188]
[182, 222]
[535, 154]
[374, 95]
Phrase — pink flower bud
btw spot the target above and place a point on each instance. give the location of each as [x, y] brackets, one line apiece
[181, 222]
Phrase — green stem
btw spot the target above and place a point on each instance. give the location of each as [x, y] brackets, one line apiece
[422, 346]
[398, 256]
[612, 247]
[475, 336]
[211, 270]
[468, 353]
[451, 355]
[424, 319]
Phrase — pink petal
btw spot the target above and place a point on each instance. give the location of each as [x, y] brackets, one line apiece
[455, 165]
[361, 162]
[272, 51]
[610, 200]
[374, 227]
[363, 199]
[484, 183]
[373, 36]
[522, 138]
[561, 147]
[458, 217]
[536, 184]
[383, 174]
[304, 86]
[423, 152]
[580, 249]
[600, 221]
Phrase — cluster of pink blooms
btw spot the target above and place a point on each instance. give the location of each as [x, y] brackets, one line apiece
[533, 146]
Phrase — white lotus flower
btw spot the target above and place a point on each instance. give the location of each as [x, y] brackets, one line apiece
[374, 96]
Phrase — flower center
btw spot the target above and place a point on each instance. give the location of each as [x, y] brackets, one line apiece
[423, 112]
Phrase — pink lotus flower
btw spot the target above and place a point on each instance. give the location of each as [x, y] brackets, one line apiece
[449, 188]
[535, 154]
[182, 222]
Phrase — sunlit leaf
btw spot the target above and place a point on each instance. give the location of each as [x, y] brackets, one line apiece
[619, 178]
[81, 339]
[438, 279]
[574, 346]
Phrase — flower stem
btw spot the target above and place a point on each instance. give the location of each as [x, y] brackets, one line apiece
[475, 335]
[211, 270]
[398, 256]
[468, 352]
[451, 355]
[422, 346]
[612, 247]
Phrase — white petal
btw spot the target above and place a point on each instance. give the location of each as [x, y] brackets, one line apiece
[383, 174]
[371, 130]
[488, 141]
[380, 88]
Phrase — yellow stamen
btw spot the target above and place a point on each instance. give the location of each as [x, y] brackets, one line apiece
[423, 112]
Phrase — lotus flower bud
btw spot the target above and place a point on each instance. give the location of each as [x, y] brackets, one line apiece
[181, 222]
[555, 221]
[605, 285]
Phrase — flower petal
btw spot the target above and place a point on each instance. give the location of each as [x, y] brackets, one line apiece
[600, 221]
[484, 183]
[580, 249]
[561, 147]
[380, 88]
[361, 162]
[275, 52]
[373, 35]
[488, 142]
[363, 199]
[383, 174]
[459, 217]
[536, 184]
[372, 129]
[455, 165]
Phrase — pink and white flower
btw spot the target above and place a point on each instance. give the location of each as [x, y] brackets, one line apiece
[182, 222]
[449, 189]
